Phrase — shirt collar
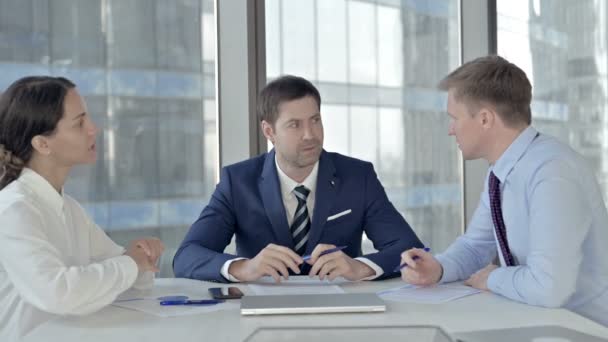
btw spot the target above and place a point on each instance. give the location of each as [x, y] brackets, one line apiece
[513, 154]
[288, 184]
[41, 188]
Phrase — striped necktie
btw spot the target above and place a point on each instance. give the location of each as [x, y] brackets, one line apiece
[499, 223]
[301, 220]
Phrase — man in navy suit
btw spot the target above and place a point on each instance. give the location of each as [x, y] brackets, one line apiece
[294, 200]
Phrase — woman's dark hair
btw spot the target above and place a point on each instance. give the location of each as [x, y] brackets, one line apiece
[29, 107]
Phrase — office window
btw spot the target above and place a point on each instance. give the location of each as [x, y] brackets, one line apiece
[146, 69]
[331, 42]
[377, 64]
[561, 45]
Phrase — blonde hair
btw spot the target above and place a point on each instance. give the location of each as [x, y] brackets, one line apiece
[495, 80]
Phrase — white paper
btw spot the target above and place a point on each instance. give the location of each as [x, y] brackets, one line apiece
[153, 307]
[435, 294]
[302, 280]
[296, 285]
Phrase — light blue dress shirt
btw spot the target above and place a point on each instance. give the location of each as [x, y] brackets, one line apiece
[557, 229]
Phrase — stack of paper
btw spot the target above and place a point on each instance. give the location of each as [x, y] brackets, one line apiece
[428, 295]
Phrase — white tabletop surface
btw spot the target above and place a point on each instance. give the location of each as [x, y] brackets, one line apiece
[477, 312]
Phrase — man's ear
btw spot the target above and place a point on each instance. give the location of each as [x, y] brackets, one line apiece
[487, 117]
[268, 131]
[41, 145]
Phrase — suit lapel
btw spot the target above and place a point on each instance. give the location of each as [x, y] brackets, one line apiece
[273, 201]
[327, 187]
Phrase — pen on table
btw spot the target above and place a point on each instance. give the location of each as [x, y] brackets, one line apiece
[192, 302]
[400, 267]
[327, 251]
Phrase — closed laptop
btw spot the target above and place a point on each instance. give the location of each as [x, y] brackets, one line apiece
[312, 303]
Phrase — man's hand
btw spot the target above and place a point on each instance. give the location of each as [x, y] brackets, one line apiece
[337, 264]
[422, 268]
[479, 279]
[273, 260]
[146, 252]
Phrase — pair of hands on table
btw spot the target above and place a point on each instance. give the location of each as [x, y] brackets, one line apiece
[276, 261]
[423, 269]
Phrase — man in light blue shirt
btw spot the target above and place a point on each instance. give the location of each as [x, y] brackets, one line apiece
[541, 210]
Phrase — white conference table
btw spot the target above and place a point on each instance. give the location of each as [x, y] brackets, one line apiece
[478, 312]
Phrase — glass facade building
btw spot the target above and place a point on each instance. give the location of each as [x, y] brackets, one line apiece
[562, 47]
[146, 70]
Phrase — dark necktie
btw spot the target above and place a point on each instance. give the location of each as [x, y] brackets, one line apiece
[301, 220]
[499, 223]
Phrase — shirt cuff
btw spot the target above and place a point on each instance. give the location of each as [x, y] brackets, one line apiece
[377, 269]
[145, 281]
[449, 270]
[131, 270]
[496, 279]
[226, 266]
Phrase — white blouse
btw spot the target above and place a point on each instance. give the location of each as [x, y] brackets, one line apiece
[53, 259]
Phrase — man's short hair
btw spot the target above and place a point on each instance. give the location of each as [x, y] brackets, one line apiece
[283, 89]
[496, 81]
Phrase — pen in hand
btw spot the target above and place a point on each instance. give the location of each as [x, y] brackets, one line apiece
[192, 302]
[400, 267]
[327, 251]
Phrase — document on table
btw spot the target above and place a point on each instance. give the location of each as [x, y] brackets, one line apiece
[435, 294]
[153, 307]
[148, 302]
[297, 285]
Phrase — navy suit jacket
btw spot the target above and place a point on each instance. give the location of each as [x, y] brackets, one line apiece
[247, 202]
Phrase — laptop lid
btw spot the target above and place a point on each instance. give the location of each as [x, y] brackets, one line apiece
[312, 303]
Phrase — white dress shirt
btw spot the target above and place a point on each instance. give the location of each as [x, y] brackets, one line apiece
[290, 202]
[53, 259]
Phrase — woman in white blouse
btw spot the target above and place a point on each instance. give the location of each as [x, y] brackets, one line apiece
[53, 259]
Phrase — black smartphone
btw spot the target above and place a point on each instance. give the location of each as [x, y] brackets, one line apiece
[226, 292]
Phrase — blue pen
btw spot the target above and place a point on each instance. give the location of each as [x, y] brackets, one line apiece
[400, 267]
[192, 302]
[327, 251]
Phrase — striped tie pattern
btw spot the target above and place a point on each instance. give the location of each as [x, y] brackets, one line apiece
[499, 223]
[301, 221]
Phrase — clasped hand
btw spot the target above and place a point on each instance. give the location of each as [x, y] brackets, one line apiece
[146, 252]
[275, 261]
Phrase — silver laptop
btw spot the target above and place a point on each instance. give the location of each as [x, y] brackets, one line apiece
[312, 303]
